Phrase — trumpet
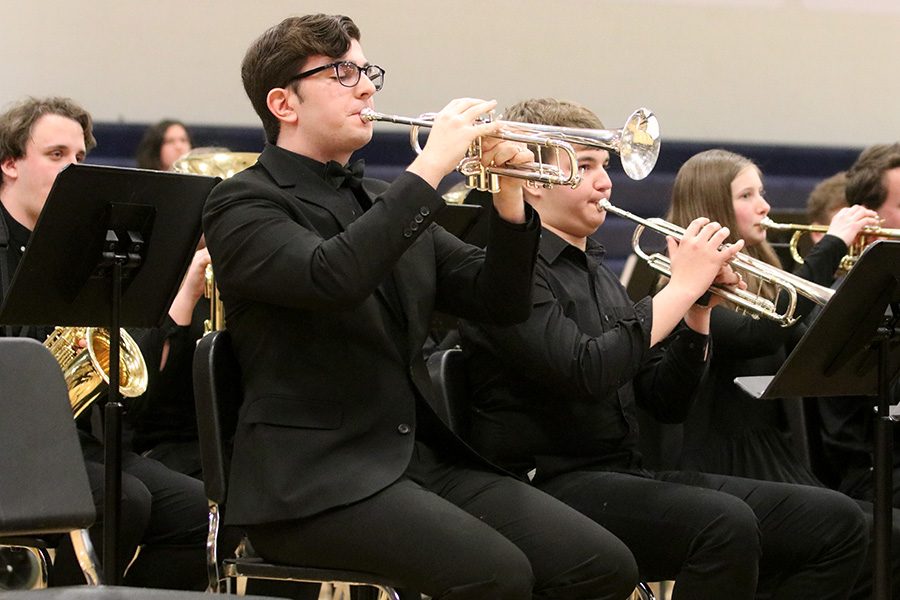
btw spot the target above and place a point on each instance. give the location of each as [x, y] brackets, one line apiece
[637, 144]
[753, 304]
[853, 252]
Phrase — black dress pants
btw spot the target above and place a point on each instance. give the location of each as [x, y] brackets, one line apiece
[717, 536]
[457, 531]
[163, 512]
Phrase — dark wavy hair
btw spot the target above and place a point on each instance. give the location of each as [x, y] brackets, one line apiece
[865, 179]
[151, 144]
[280, 53]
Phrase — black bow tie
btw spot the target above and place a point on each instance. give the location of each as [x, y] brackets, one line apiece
[340, 176]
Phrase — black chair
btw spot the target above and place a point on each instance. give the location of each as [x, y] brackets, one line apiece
[45, 490]
[447, 369]
[218, 396]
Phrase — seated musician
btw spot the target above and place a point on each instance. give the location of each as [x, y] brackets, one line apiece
[328, 287]
[163, 420]
[847, 426]
[164, 512]
[728, 432]
[556, 397]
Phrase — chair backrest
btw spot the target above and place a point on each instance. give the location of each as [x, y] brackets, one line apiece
[448, 375]
[217, 395]
[45, 486]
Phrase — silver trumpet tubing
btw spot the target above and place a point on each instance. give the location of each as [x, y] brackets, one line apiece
[753, 304]
[637, 144]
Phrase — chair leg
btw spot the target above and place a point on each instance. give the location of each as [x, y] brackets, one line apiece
[387, 592]
[643, 592]
[87, 558]
[217, 583]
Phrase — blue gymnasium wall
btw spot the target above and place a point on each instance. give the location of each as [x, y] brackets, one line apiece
[790, 172]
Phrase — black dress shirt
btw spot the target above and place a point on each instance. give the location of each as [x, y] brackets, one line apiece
[14, 238]
[558, 393]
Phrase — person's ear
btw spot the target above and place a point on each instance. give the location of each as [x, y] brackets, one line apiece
[9, 168]
[277, 100]
[533, 193]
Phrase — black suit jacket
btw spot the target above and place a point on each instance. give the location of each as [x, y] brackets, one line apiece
[328, 312]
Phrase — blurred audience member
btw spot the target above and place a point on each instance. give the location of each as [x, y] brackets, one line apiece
[162, 144]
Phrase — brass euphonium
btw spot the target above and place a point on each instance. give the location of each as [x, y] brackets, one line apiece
[216, 162]
[86, 370]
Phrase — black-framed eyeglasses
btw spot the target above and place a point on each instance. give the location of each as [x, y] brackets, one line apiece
[347, 73]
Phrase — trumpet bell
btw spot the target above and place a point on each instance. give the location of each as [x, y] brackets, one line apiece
[639, 146]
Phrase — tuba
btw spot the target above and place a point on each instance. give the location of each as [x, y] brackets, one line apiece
[637, 144]
[86, 370]
[216, 162]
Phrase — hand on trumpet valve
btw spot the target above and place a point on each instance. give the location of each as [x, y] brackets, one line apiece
[848, 222]
[509, 200]
[701, 258]
[453, 130]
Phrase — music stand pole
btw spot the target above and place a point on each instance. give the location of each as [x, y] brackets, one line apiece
[884, 467]
[112, 440]
[110, 248]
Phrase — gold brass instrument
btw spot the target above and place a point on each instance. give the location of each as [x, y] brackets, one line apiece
[216, 318]
[86, 370]
[637, 144]
[754, 304]
[853, 252]
[217, 162]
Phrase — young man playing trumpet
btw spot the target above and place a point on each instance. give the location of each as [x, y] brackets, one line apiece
[329, 283]
[847, 426]
[555, 397]
[162, 511]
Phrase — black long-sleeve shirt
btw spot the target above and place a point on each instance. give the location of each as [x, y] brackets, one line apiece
[165, 412]
[558, 392]
[728, 431]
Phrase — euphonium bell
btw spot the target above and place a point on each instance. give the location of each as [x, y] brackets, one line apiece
[215, 162]
[86, 370]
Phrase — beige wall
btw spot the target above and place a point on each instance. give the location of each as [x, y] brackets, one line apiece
[768, 71]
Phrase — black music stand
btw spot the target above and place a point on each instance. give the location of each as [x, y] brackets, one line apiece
[109, 250]
[853, 349]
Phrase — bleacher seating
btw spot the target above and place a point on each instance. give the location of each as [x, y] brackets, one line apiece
[790, 172]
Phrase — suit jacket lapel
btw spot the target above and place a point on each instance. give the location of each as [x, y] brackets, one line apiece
[307, 185]
[312, 188]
